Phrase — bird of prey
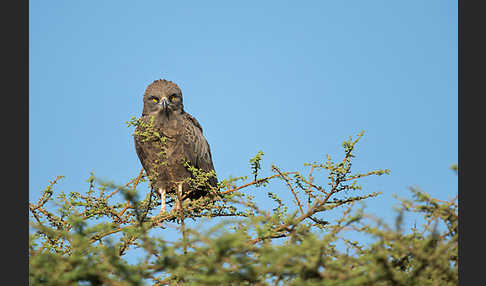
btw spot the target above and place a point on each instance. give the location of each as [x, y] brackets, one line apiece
[166, 139]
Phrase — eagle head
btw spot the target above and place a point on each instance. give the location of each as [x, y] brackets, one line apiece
[162, 98]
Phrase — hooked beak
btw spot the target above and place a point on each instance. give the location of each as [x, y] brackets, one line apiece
[164, 103]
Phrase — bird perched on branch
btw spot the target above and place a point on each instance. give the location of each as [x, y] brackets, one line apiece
[171, 146]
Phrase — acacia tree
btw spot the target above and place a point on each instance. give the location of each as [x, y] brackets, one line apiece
[233, 239]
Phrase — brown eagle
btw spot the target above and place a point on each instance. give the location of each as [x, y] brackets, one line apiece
[168, 141]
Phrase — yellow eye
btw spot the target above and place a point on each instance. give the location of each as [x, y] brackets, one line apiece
[154, 99]
[172, 97]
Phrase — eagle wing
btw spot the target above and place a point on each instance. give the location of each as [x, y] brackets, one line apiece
[140, 153]
[196, 147]
[140, 147]
[148, 154]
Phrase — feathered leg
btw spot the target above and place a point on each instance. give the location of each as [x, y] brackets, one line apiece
[178, 198]
[179, 195]
[162, 200]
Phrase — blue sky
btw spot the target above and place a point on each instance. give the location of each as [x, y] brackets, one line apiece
[291, 80]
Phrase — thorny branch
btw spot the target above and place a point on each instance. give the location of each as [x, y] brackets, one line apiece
[120, 220]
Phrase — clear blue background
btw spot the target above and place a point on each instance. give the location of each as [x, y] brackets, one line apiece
[291, 79]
